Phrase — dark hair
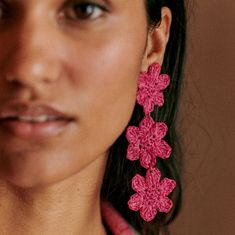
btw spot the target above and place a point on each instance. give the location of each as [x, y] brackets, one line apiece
[116, 186]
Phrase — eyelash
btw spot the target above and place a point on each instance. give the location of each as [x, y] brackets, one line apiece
[72, 11]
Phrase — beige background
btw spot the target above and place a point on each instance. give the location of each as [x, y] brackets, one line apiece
[206, 122]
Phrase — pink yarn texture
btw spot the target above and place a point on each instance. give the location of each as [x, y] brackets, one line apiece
[151, 194]
[146, 144]
[151, 86]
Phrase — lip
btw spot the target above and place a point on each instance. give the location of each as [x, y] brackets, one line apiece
[29, 129]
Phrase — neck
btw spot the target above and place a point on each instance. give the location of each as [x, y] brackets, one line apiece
[68, 207]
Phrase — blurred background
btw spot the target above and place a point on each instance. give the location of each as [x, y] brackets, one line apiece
[206, 121]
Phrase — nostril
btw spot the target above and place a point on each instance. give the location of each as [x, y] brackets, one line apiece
[30, 67]
[27, 81]
[10, 78]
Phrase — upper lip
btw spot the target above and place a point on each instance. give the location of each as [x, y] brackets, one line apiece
[31, 109]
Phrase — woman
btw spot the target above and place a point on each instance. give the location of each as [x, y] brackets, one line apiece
[69, 73]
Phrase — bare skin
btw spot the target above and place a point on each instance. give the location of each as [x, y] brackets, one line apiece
[89, 69]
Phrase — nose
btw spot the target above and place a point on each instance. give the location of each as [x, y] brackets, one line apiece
[30, 57]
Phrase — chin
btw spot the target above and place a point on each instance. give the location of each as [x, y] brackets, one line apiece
[28, 169]
[27, 177]
[26, 181]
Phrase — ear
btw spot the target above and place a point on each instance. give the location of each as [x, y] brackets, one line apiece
[157, 40]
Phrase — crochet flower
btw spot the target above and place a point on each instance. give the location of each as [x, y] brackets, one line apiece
[151, 86]
[150, 196]
[146, 142]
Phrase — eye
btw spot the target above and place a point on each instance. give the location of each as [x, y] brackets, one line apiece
[84, 11]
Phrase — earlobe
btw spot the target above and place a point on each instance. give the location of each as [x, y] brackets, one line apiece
[157, 40]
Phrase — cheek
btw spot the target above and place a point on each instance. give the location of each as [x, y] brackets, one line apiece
[105, 89]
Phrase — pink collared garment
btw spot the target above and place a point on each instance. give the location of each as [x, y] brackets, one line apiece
[114, 221]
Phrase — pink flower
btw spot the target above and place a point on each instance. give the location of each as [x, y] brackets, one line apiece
[151, 86]
[146, 142]
[150, 196]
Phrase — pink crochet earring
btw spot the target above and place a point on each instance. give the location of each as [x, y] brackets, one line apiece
[146, 144]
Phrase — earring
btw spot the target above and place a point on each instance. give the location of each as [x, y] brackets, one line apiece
[146, 144]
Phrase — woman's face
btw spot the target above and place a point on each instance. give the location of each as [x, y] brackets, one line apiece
[84, 58]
